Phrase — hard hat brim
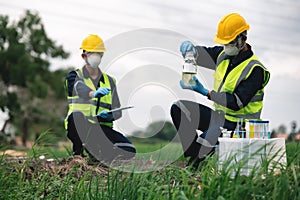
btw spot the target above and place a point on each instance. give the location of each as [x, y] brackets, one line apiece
[93, 50]
[220, 41]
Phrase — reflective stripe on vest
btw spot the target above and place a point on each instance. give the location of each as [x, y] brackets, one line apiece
[241, 72]
[90, 108]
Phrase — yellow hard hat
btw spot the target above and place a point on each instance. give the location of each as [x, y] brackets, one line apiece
[93, 43]
[230, 27]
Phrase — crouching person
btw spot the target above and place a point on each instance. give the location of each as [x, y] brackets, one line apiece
[91, 94]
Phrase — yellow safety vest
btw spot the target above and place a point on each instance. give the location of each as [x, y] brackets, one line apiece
[241, 72]
[91, 107]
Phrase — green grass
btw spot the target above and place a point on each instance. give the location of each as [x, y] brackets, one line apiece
[33, 179]
[146, 148]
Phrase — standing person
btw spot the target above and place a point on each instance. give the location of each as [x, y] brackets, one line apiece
[238, 92]
[91, 94]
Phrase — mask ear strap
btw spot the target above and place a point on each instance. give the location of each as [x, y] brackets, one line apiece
[86, 57]
[240, 43]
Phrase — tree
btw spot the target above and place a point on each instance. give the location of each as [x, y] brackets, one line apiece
[25, 81]
[293, 131]
[161, 130]
[282, 129]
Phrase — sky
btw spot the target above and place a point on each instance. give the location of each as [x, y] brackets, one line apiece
[143, 38]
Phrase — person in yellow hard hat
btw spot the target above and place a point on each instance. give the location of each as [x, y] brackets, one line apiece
[91, 95]
[238, 92]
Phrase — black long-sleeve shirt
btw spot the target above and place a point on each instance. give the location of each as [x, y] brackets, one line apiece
[76, 86]
[207, 57]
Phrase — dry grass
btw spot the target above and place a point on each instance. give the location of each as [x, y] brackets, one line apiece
[77, 166]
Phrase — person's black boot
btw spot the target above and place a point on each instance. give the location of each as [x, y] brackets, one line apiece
[194, 162]
[78, 150]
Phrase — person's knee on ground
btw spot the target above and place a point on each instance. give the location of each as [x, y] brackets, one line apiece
[117, 145]
[72, 132]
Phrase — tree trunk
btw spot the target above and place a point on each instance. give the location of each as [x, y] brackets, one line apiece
[25, 131]
[4, 127]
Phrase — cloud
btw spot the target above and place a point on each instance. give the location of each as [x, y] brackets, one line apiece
[274, 36]
[285, 66]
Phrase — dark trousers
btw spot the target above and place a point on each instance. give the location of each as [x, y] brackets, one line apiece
[102, 142]
[188, 117]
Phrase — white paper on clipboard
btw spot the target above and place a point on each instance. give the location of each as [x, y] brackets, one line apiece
[120, 109]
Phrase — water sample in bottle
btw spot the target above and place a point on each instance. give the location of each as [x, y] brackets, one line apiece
[189, 69]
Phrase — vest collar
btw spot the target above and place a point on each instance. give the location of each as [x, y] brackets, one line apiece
[86, 74]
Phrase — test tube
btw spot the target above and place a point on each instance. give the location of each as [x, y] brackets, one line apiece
[238, 129]
[261, 128]
[243, 128]
[251, 128]
[265, 129]
[258, 129]
[237, 132]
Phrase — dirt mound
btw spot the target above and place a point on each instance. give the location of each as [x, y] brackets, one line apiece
[74, 166]
[13, 153]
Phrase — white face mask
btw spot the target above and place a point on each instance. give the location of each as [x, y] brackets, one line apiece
[232, 49]
[94, 60]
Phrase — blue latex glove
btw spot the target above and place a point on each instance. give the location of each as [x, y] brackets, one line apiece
[101, 92]
[187, 46]
[198, 87]
[105, 115]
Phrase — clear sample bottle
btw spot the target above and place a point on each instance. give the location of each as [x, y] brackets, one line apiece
[189, 69]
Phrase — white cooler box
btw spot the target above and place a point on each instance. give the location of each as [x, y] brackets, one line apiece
[249, 153]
